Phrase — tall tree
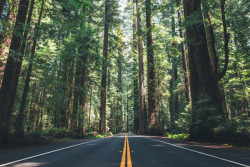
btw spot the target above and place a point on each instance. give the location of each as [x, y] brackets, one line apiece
[152, 123]
[203, 82]
[19, 125]
[184, 57]
[174, 108]
[135, 75]
[226, 39]
[143, 112]
[77, 87]
[102, 128]
[213, 51]
[11, 74]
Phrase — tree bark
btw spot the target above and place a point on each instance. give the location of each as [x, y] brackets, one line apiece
[152, 124]
[77, 86]
[90, 105]
[174, 112]
[142, 121]
[203, 82]
[69, 95]
[213, 51]
[184, 58]
[42, 110]
[19, 125]
[226, 40]
[102, 129]
[10, 79]
[135, 75]
[210, 38]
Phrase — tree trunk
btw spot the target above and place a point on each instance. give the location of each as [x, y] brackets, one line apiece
[31, 118]
[42, 110]
[77, 86]
[159, 99]
[102, 129]
[19, 125]
[152, 124]
[20, 131]
[203, 83]
[210, 38]
[142, 120]
[135, 75]
[69, 95]
[10, 79]
[213, 51]
[184, 59]
[226, 40]
[174, 112]
[90, 105]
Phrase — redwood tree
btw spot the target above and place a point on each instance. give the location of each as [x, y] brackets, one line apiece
[102, 128]
[143, 114]
[19, 125]
[135, 75]
[151, 73]
[184, 57]
[203, 82]
[174, 109]
[11, 74]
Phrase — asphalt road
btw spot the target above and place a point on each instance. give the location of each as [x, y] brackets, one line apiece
[115, 151]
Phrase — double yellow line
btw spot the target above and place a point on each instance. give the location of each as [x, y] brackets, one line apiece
[129, 162]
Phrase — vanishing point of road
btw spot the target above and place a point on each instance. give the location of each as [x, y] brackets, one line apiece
[125, 150]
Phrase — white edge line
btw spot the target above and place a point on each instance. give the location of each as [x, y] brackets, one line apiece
[38, 155]
[200, 152]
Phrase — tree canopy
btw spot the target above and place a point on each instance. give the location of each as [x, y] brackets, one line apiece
[81, 67]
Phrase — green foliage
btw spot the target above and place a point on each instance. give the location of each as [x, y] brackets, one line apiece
[204, 118]
[234, 130]
[176, 136]
[71, 36]
[57, 133]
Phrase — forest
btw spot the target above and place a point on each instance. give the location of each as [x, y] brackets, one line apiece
[78, 68]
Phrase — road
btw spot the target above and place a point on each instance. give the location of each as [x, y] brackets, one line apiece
[125, 150]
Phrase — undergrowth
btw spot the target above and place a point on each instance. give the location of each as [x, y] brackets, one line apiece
[65, 134]
[177, 136]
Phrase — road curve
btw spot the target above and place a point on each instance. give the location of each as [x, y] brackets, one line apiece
[141, 151]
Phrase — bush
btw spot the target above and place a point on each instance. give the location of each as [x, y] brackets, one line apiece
[57, 133]
[176, 136]
[93, 133]
[233, 130]
[35, 133]
[62, 133]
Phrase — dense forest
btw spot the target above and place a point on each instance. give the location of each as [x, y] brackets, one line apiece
[72, 68]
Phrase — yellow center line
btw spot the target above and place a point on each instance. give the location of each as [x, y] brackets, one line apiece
[129, 162]
[124, 153]
[126, 147]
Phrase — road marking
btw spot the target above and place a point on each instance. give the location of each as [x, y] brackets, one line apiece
[129, 162]
[124, 153]
[126, 147]
[201, 153]
[38, 155]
